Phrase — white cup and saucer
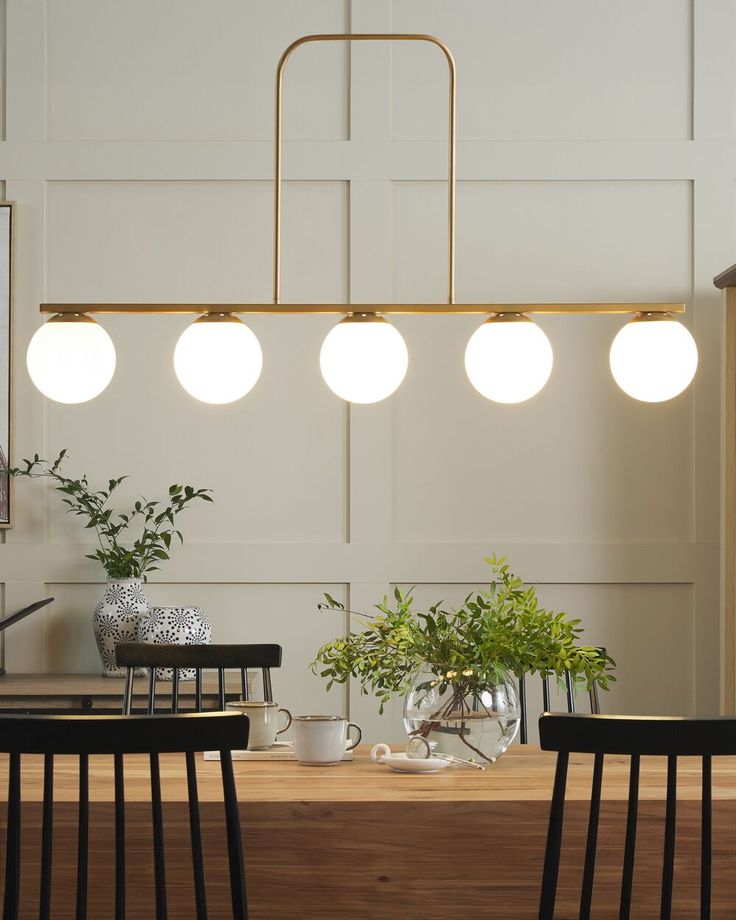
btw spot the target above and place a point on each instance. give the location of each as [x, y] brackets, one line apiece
[323, 740]
[263, 722]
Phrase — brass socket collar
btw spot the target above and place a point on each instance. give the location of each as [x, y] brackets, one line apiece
[72, 318]
[215, 317]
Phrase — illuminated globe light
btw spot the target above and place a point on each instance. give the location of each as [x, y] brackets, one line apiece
[509, 358]
[71, 359]
[218, 359]
[364, 358]
[653, 358]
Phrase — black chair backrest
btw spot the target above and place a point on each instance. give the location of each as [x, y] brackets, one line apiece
[546, 707]
[197, 658]
[121, 735]
[635, 736]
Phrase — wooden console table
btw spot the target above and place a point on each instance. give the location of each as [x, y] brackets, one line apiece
[360, 841]
[86, 693]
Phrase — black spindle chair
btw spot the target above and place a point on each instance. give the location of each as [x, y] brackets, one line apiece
[595, 707]
[635, 737]
[120, 736]
[199, 658]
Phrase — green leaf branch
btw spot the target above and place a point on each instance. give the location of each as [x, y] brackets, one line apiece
[149, 525]
[494, 632]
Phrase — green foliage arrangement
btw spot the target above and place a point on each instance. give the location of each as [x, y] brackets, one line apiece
[495, 632]
[154, 520]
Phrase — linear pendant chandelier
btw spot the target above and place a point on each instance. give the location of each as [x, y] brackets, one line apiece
[364, 359]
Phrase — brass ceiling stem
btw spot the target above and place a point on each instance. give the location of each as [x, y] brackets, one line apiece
[450, 307]
[366, 37]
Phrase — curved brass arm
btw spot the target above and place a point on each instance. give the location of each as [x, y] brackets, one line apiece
[365, 37]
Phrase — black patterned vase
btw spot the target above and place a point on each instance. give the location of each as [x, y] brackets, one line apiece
[116, 620]
[175, 626]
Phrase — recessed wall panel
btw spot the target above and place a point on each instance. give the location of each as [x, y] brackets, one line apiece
[186, 70]
[276, 458]
[3, 67]
[582, 69]
[581, 461]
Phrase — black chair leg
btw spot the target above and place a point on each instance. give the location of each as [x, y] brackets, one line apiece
[12, 843]
[554, 840]
[234, 842]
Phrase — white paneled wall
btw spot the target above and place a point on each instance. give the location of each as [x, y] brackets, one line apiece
[597, 161]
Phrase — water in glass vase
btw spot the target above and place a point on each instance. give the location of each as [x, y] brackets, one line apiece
[457, 716]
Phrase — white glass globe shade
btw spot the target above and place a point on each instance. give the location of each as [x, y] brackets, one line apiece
[71, 358]
[508, 359]
[653, 358]
[363, 359]
[218, 359]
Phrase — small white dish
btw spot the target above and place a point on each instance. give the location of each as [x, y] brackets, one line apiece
[381, 753]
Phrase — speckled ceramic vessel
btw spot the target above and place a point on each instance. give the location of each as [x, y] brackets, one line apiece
[116, 620]
[176, 626]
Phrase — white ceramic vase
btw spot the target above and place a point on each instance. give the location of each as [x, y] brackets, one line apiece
[174, 626]
[116, 619]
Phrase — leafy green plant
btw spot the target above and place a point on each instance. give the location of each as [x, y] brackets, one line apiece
[153, 520]
[494, 632]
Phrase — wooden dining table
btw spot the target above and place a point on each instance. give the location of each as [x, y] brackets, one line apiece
[358, 840]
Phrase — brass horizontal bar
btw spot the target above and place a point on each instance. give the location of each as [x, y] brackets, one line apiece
[334, 309]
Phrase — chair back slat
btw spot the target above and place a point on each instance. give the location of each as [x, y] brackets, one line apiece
[234, 841]
[195, 831]
[591, 842]
[545, 693]
[128, 691]
[554, 840]
[244, 683]
[151, 691]
[668, 862]
[119, 837]
[12, 845]
[632, 814]
[267, 688]
[570, 690]
[47, 832]
[705, 839]
[197, 690]
[83, 837]
[547, 700]
[221, 687]
[523, 734]
[159, 858]
[120, 735]
[175, 690]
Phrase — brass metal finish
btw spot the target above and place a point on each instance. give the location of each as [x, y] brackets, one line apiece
[367, 312]
[648, 316]
[218, 317]
[508, 318]
[334, 309]
[363, 318]
[367, 37]
[71, 317]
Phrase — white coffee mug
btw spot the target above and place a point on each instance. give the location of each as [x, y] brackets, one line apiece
[263, 719]
[322, 739]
